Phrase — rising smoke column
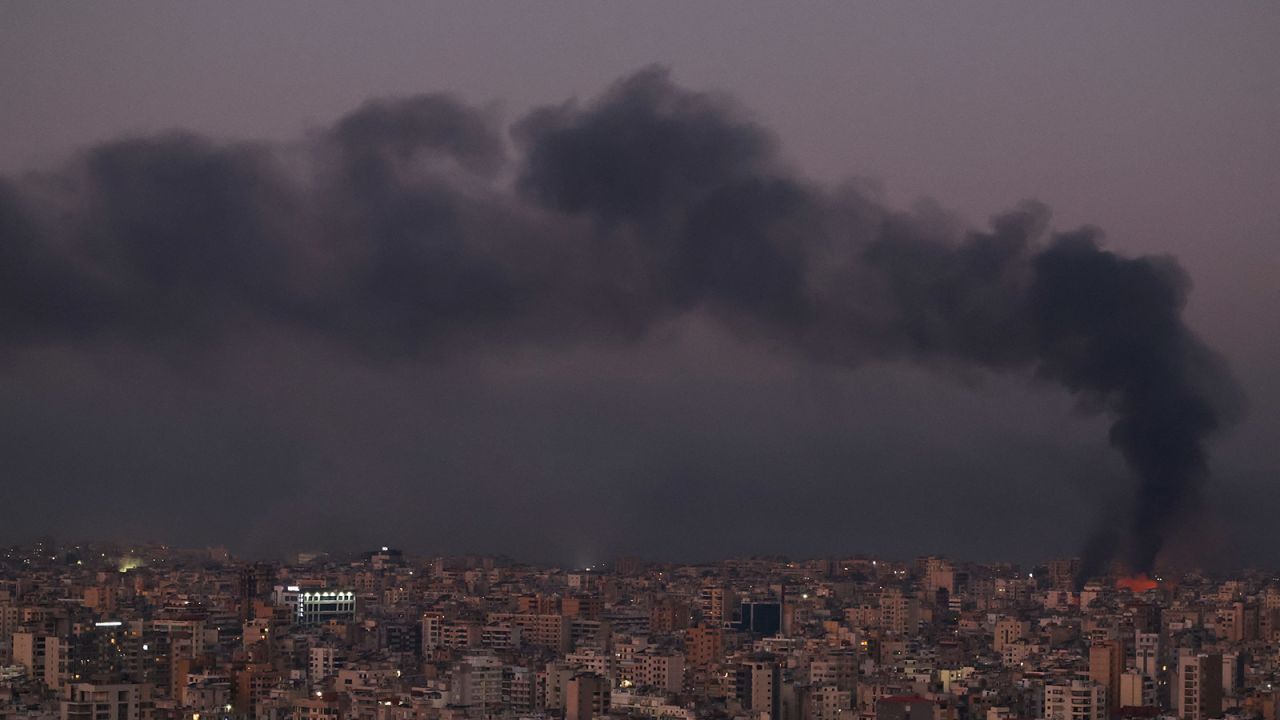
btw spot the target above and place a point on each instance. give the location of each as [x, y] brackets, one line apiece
[1111, 328]
[418, 228]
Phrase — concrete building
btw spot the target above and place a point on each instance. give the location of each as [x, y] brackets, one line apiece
[835, 669]
[1077, 699]
[704, 644]
[1106, 664]
[587, 696]
[582, 605]
[432, 631]
[125, 701]
[462, 634]
[899, 612]
[757, 685]
[826, 702]
[520, 689]
[43, 656]
[322, 662]
[716, 603]
[657, 669]
[549, 631]
[938, 574]
[1136, 690]
[1197, 692]
[317, 607]
[501, 636]
[1146, 653]
[477, 682]
[593, 662]
[1008, 631]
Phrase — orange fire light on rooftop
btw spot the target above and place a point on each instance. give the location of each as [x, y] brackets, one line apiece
[1137, 583]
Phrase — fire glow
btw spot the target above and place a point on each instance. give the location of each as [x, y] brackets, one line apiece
[1137, 584]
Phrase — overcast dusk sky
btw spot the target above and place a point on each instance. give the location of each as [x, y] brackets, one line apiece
[1157, 122]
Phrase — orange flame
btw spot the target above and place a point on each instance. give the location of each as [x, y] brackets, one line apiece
[1137, 584]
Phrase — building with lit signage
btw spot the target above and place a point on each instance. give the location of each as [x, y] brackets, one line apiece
[316, 607]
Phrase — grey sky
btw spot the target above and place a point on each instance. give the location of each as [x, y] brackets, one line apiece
[1155, 121]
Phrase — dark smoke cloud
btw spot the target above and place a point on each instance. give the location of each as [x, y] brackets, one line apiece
[420, 228]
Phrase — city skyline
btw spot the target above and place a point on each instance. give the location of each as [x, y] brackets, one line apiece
[162, 633]
[136, 553]
[663, 360]
[126, 555]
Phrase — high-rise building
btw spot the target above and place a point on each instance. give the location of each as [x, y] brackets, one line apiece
[836, 668]
[1008, 631]
[549, 631]
[1233, 664]
[1136, 690]
[252, 686]
[899, 612]
[667, 615]
[432, 631]
[538, 604]
[1146, 653]
[520, 689]
[1062, 573]
[761, 617]
[704, 644]
[582, 605]
[586, 697]
[939, 574]
[716, 604]
[554, 681]
[256, 581]
[322, 662]
[1197, 693]
[1236, 622]
[1106, 664]
[477, 682]
[44, 656]
[316, 607]
[757, 684]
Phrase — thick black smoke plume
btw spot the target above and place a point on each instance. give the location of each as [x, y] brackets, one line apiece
[421, 227]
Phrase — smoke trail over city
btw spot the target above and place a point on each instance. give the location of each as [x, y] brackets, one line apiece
[420, 228]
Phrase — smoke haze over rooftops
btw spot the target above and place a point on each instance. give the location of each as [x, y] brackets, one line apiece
[421, 230]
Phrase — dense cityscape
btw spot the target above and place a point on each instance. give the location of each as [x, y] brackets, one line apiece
[771, 361]
[150, 632]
